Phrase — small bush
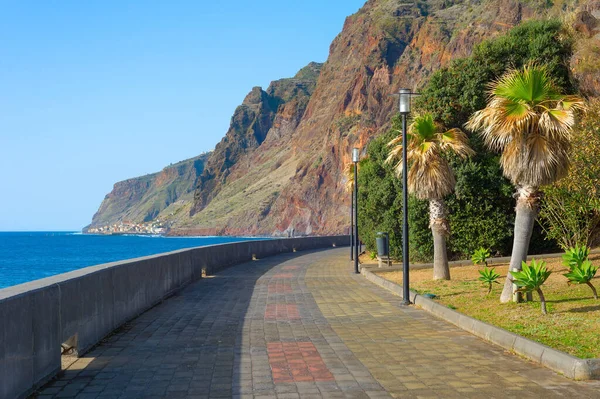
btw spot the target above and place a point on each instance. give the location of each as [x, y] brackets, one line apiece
[583, 274]
[575, 256]
[480, 256]
[531, 278]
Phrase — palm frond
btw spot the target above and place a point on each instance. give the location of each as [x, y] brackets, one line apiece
[430, 175]
[457, 141]
[349, 175]
[530, 121]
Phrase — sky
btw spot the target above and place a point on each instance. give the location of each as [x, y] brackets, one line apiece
[95, 92]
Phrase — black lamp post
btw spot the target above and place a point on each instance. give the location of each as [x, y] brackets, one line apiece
[405, 97]
[352, 224]
[355, 158]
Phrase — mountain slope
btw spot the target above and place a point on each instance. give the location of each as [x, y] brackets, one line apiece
[278, 170]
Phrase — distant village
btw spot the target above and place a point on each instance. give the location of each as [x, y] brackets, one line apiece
[153, 227]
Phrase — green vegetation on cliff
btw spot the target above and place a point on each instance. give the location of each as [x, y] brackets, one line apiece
[481, 208]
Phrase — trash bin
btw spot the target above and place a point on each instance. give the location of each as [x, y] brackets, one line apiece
[382, 244]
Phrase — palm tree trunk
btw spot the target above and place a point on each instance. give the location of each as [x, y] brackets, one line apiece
[527, 210]
[440, 230]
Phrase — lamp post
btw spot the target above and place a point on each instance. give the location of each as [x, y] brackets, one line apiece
[352, 224]
[405, 97]
[355, 158]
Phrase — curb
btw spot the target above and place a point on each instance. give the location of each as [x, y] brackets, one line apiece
[561, 362]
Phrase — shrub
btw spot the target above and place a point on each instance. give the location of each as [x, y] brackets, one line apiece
[583, 274]
[570, 209]
[575, 256]
[455, 92]
[480, 256]
[531, 278]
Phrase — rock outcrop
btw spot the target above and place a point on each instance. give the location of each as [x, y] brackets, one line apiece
[142, 199]
[283, 103]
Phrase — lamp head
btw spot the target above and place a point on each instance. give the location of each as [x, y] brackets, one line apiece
[355, 155]
[405, 97]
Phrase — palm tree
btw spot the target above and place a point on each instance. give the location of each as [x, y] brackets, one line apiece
[430, 176]
[530, 121]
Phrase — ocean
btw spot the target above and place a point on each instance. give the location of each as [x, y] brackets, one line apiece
[27, 256]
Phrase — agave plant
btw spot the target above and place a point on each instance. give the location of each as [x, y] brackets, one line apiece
[583, 274]
[430, 176]
[531, 278]
[480, 256]
[489, 276]
[575, 256]
[530, 121]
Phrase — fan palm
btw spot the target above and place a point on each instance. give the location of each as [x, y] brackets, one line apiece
[430, 176]
[530, 122]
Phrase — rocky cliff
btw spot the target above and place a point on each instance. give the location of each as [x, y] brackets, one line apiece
[278, 170]
[276, 111]
[142, 199]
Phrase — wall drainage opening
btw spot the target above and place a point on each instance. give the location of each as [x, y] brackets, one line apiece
[68, 352]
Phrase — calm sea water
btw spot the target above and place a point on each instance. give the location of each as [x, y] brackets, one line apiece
[27, 256]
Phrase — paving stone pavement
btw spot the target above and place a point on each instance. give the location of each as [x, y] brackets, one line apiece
[300, 326]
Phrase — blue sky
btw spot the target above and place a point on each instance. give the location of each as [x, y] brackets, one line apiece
[93, 92]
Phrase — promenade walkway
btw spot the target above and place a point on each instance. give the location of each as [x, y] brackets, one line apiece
[300, 326]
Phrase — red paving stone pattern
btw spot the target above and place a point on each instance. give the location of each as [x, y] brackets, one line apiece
[296, 362]
[283, 275]
[280, 288]
[289, 268]
[282, 311]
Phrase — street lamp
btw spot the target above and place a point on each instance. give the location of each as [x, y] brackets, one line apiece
[355, 159]
[352, 224]
[405, 98]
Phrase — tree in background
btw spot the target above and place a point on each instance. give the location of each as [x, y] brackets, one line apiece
[455, 92]
[380, 206]
[570, 210]
[430, 176]
[530, 121]
[481, 211]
